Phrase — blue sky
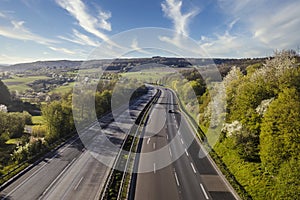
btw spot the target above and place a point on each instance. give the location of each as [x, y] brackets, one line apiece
[33, 30]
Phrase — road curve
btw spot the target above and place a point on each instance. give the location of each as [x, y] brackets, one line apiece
[188, 176]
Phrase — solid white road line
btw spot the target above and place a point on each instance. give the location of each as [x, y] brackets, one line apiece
[76, 186]
[177, 181]
[153, 145]
[193, 168]
[154, 168]
[170, 152]
[167, 136]
[205, 194]
[176, 125]
[148, 140]
[181, 141]
[186, 152]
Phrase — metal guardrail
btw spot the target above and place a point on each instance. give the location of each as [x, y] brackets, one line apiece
[129, 162]
[119, 159]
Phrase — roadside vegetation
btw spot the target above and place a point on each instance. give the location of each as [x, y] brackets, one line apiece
[259, 146]
[263, 146]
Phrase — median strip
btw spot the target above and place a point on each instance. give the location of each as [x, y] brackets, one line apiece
[119, 182]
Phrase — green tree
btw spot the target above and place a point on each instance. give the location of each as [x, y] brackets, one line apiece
[59, 119]
[5, 97]
[280, 130]
[27, 118]
[247, 144]
[248, 96]
[198, 87]
[288, 180]
[15, 125]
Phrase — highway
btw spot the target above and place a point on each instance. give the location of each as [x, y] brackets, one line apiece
[73, 172]
[176, 172]
[169, 161]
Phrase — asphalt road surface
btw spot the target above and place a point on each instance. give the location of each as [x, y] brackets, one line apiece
[170, 163]
[169, 159]
[72, 172]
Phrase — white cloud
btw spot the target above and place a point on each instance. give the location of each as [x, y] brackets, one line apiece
[2, 15]
[135, 47]
[271, 25]
[172, 9]
[20, 32]
[62, 50]
[103, 17]
[278, 29]
[88, 22]
[80, 38]
[231, 24]
[8, 59]
[238, 7]
[228, 45]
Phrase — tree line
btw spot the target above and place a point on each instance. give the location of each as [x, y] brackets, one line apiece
[260, 139]
[265, 103]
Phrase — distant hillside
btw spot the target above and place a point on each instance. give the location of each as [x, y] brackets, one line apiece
[126, 64]
[42, 64]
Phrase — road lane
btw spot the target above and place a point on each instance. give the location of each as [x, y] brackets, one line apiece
[188, 177]
[81, 181]
[74, 173]
[152, 185]
[211, 183]
[184, 167]
[33, 183]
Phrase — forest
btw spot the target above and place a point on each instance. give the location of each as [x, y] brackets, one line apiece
[259, 142]
[263, 147]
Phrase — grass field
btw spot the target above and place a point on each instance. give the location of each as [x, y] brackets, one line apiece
[36, 120]
[63, 89]
[20, 83]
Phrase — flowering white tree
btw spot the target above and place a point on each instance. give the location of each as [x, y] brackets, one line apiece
[3, 108]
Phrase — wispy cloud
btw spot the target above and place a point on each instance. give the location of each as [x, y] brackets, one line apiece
[103, 17]
[62, 50]
[88, 22]
[80, 38]
[267, 27]
[17, 30]
[135, 47]
[172, 10]
[9, 59]
[2, 15]
[278, 29]
[229, 45]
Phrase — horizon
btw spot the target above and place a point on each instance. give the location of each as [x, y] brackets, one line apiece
[128, 58]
